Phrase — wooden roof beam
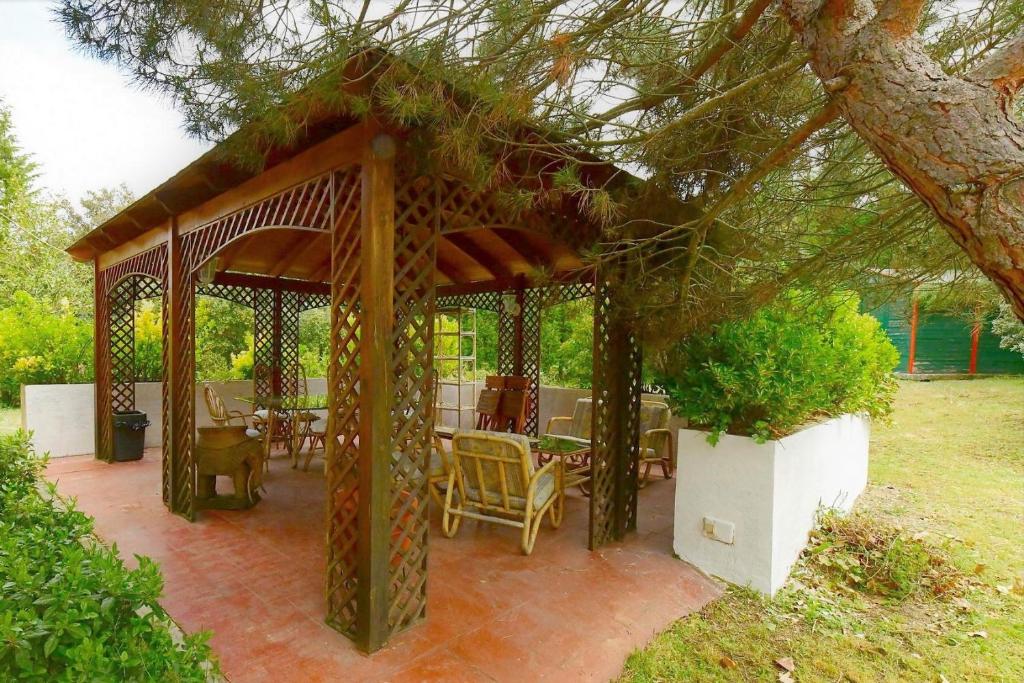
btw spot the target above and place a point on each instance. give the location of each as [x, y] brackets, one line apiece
[488, 262]
[274, 283]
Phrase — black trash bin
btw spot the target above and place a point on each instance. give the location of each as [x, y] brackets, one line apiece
[129, 435]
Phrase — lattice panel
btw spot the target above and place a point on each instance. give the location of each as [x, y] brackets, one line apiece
[166, 461]
[615, 428]
[240, 295]
[560, 294]
[263, 346]
[482, 301]
[287, 352]
[306, 205]
[118, 287]
[416, 230]
[122, 345]
[343, 416]
[308, 302]
[531, 324]
[461, 208]
[507, 342]
[183, 370]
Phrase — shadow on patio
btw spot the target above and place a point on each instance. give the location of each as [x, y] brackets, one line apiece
[255, 578]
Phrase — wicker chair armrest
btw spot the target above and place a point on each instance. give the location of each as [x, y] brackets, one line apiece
[239, 415]
[531, 490]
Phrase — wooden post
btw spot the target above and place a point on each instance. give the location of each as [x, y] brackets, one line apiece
[912, 351]
[179, 379]
[615, 429]
[975, 338]
[101, 366]
[376, 396]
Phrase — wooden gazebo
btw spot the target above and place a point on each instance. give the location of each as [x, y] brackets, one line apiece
[342, 218]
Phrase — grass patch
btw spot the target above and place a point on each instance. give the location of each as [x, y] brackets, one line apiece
[922, 583]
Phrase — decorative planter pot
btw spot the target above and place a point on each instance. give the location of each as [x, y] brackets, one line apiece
[743, 509]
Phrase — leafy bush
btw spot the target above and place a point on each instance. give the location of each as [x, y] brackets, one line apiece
[69, 608]
[1009, 329]
[40, 344]
[799, 359]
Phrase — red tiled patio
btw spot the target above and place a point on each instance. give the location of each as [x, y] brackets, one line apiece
[256, 579]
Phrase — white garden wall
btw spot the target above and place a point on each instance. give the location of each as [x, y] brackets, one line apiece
[743, 509]
[61, 416]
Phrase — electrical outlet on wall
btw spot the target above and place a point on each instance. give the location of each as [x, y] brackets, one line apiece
[720, 530]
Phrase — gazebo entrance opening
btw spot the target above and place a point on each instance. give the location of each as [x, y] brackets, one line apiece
[348, 222]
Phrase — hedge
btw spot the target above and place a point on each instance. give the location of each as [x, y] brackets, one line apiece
[70, 610]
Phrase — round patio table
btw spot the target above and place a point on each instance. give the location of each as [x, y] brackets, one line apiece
[298, 408]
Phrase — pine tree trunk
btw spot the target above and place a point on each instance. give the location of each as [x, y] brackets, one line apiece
[955, 141]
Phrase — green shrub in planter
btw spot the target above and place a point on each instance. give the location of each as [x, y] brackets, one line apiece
[800, 359]
[69, 608]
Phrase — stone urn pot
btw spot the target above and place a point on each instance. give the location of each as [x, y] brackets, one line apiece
[228, 452]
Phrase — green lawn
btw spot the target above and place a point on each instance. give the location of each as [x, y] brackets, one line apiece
[10, 420]
[948, 476]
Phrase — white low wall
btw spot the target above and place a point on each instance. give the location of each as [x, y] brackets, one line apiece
[744, 510]
[61, 417]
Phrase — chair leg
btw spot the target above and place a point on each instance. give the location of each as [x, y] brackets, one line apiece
[642, 482]
[450, 522]
[666, 468]
[530, 526]
[557, 511]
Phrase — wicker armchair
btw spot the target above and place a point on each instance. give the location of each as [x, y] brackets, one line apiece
[493, 479]
[655, 436]
[222, 417]
[655, 440]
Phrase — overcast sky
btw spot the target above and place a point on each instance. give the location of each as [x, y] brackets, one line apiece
[83, 122]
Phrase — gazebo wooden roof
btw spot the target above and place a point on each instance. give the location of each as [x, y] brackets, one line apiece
[341, 217]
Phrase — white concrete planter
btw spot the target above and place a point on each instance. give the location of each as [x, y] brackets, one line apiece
[743, 509]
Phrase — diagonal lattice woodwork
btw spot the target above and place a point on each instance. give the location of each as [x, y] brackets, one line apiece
[344, 398]
[305, 205]
[483, 301]
[286, 343]
[416, 235]
[122, 345]
[530, 353]
[308, 302]
[238, 295]
[616, 421]
[263, 347]
[118, 287]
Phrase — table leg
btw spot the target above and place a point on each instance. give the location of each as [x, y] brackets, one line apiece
[296, 440]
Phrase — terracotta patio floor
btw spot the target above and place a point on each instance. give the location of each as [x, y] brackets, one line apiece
[255, 579]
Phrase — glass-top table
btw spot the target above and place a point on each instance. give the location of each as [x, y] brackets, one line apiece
[299, 410]
[573, 455]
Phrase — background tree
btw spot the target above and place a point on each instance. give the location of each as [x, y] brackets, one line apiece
[710, 100]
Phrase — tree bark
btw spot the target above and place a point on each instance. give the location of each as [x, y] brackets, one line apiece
[955, 141]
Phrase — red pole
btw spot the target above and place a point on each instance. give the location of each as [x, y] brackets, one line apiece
[975, 336]
[913, 339]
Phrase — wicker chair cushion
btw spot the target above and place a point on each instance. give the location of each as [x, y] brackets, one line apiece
[253, 433]
[545, 489]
